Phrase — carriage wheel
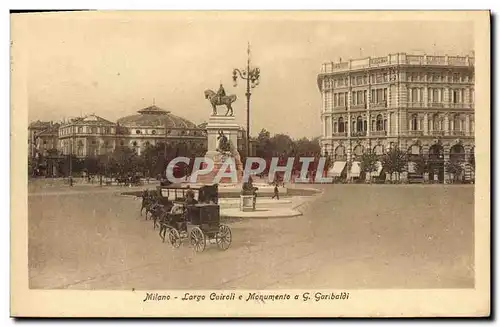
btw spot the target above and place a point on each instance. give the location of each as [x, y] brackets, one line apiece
[197, 239]
[174, 237]
[223, 237]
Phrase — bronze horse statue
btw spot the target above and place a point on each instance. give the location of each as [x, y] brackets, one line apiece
[215, 100]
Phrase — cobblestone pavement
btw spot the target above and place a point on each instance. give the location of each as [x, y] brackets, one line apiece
[350, 236]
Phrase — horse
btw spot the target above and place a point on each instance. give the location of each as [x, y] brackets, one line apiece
[174, 218]
[215, 100]
[121, 180]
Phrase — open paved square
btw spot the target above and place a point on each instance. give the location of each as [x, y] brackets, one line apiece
[349, 237]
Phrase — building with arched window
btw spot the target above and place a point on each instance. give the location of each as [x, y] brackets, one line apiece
[93, 135]
[154, 125]
[87, 136]
[398, 100]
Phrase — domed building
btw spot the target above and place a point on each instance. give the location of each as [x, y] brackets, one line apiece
[154, 125]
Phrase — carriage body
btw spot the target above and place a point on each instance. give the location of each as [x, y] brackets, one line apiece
[206, 216]
[199, 221]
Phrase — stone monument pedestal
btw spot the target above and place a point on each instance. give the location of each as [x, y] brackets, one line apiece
[247, 203]
[227, 126]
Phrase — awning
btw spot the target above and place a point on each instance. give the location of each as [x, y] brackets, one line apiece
[378, 171]
[355, 169]
[338, 167]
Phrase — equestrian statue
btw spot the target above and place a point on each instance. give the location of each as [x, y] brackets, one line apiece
[220, 99]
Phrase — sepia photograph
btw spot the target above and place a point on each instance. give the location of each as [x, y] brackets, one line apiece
[250, 163]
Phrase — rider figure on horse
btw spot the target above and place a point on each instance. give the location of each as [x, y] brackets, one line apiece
[221, 93]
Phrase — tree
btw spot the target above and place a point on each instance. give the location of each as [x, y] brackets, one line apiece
[282, 144]
[263, 146]
[454, 169]
[421, 165]
[369, 163]
[91, 164]
[472, 161]
[52, 152]
[394, 161]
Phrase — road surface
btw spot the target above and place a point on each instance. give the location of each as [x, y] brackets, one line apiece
[349, 237]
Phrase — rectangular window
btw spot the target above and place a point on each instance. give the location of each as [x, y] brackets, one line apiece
[414, 95]
[435, 95]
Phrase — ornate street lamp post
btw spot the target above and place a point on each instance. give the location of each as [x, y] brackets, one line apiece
[252, 77]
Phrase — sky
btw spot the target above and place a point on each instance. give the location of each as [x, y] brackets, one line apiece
[115, 64]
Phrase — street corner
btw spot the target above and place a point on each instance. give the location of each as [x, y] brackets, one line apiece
[260, 213]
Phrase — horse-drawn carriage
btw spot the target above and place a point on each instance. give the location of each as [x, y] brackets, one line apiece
[200, 223]
[131, 180]
[191, 213]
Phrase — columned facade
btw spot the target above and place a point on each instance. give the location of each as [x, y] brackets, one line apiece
[399, 100]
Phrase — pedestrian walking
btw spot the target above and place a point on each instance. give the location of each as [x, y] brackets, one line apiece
[276, 192]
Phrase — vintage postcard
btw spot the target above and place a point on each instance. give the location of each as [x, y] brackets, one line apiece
[250, 164]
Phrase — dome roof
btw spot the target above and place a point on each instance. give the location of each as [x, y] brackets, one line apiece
[154, 116]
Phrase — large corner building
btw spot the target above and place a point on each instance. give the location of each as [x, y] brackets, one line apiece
[422, 104]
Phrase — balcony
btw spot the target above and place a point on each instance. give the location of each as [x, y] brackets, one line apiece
[415, 133]
[400, 58]
[378, 133]
[340, 107]
[460, 105]
[415, 104]
[381, 104]
[361, 106]
[436, 105]
[457, 133]
[437, 133]
[339, 134]
[358, 134]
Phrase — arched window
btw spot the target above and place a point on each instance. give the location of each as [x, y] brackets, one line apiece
[341, 125]
[335, 127]
[380, 123]
[414, 124]
[378, 150]
[340, 153]
[358, 150]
